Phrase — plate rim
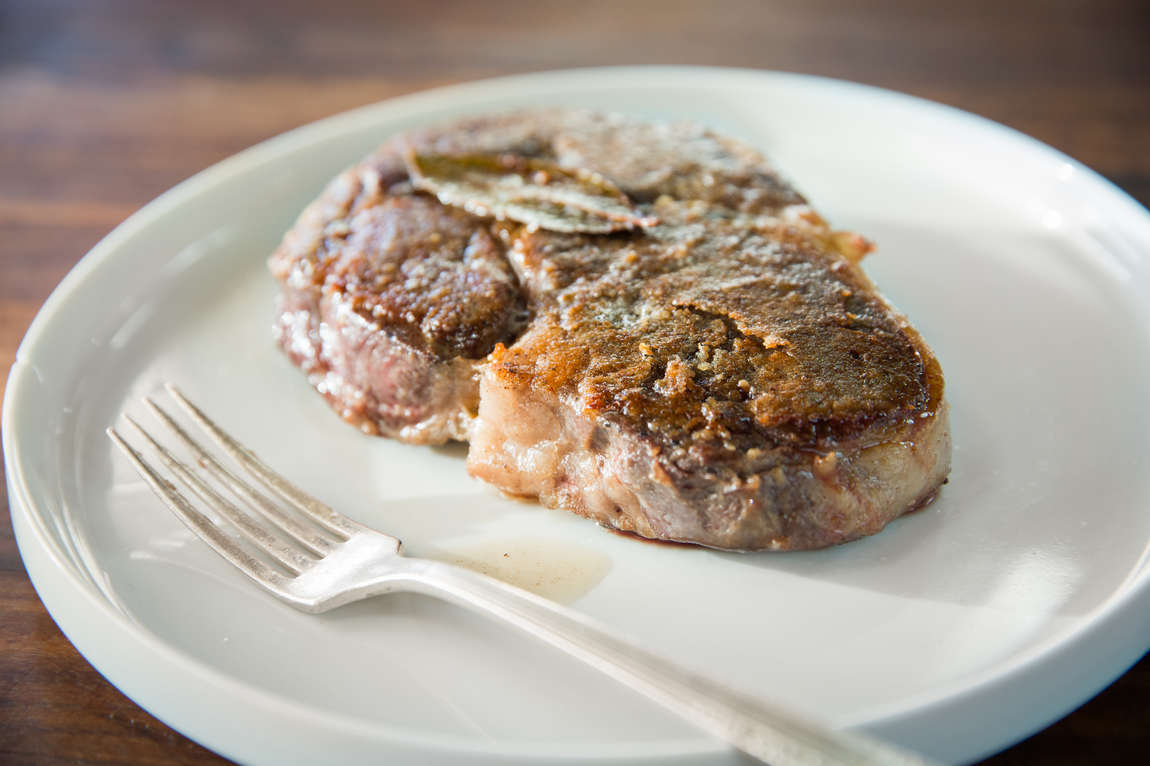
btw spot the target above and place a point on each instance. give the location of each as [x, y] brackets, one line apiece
[1124, 601]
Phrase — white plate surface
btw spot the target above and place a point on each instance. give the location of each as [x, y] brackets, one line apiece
[1017, 595]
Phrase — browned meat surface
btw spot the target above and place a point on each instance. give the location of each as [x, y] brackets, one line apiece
[728, 377]
[387, 307]
[733, 385]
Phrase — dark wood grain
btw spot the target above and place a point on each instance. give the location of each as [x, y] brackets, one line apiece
[103, 105]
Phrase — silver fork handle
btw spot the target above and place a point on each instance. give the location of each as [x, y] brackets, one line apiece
[767, 733]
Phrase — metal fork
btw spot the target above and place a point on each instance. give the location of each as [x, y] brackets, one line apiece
[316, 559]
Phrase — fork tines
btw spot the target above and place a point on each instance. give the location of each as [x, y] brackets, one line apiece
[272, 535]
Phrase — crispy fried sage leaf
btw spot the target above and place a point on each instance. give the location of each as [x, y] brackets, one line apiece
[529, 191]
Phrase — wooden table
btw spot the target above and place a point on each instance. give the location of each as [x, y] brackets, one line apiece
[103, 105]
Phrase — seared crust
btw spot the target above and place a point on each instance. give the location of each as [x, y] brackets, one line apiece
[403, 263]
[729, 377]
[715, 333]
[385, 289]
[748, 387]
[371, 307]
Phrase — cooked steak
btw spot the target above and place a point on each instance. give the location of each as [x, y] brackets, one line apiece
[721, 383]
[720, 371]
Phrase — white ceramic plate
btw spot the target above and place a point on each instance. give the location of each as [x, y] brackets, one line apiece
[957, 631]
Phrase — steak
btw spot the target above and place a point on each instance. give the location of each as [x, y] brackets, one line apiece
[715, 368]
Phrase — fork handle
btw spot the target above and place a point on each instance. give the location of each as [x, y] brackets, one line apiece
[760, 730]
